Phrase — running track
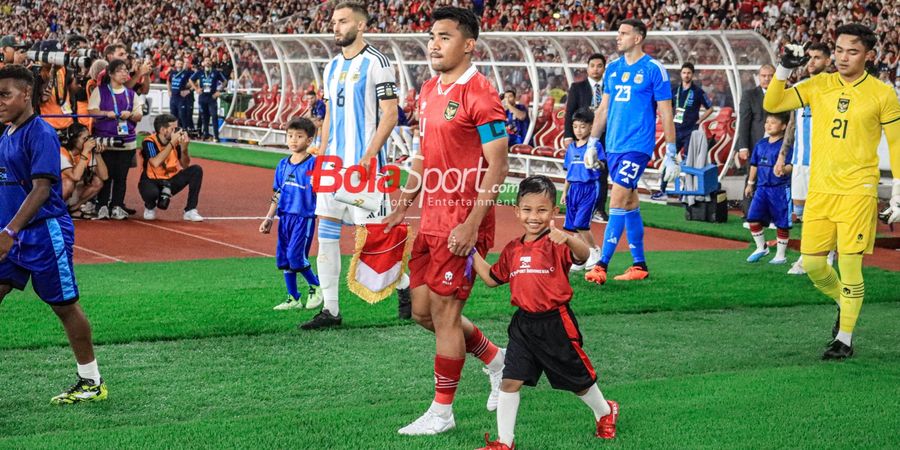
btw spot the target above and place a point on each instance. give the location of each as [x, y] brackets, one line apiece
[235, 197]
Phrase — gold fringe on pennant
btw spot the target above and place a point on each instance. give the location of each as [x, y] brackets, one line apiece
[363, 292]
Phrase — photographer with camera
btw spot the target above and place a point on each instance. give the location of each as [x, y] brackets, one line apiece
[167, 169]
[83, 170]
[116, 130]
[12, 50]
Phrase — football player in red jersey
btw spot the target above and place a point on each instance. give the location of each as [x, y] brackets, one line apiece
[543, 335]
[461, 168]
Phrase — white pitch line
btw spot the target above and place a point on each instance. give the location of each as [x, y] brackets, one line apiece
[112, 258]
[233, 218]
[205, 239]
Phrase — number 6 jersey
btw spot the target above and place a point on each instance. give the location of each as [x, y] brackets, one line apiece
[353, 88]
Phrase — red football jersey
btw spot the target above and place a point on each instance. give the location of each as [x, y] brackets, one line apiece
[449, 117]
[537, 273]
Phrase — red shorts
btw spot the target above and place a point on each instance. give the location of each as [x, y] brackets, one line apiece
[432, 264]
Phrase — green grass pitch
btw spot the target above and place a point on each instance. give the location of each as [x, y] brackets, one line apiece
[710, 352]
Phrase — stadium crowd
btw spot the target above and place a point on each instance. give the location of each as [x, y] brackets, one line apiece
[169, 31]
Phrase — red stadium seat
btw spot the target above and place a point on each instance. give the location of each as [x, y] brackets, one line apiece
[522, 149]
[257, 104]
[722, 130]
[270, 107]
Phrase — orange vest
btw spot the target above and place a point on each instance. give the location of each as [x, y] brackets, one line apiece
[52, 106]
[169, 167]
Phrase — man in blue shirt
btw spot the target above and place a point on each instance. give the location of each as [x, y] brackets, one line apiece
[37, 237]
[180, 94]
[517, 120]
[689, 99]
[634, 87]
[209, 84]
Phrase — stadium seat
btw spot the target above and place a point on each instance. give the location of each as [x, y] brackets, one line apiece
[722, 130]
[249, 114]
[270, 107]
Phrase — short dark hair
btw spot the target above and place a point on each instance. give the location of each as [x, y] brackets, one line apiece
[111, 48]
[163, 120]
[537, 184]
[302, 124]
[511, 91]
[688, 65]
[597, 56]
[465, 19]
[783, 117]
[820, 47]
[638, 25]
[863, 32]
[356, 7]
[19, 73]
[311, 92]
[583, 115]
[115, 66]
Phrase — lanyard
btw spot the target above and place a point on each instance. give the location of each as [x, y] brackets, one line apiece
[687, 101]
[116, 104]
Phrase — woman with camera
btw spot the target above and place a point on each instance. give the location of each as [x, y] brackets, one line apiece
[83, 171]
[121, 113]
[167, 169]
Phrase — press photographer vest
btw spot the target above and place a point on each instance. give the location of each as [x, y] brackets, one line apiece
[169, 167]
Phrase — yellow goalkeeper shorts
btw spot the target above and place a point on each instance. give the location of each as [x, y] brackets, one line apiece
[844, 221]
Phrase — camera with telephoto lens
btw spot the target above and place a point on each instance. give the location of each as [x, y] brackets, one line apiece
[51, 52]
[165, 195]
[107, 142]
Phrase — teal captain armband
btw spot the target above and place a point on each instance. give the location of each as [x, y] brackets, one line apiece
[492, 131]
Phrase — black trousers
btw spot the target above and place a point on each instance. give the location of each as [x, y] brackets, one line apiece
[209, 112]
[600, 205]
[118, 163]
[192, 178]
[186, 119]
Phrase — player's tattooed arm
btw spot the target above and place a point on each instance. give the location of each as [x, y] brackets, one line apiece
[779, 168]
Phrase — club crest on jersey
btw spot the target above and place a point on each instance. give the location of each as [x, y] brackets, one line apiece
[638, 78]
[342, 77]
[626, 76]
[525, 262]
[451, 110]
[843, 105]
[356, 76]
[2, 173]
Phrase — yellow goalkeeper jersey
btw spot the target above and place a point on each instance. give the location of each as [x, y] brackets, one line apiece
[846, 129]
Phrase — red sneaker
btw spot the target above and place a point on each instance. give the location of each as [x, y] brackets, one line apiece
[497, 445]
[633, 273]
[596, 275]
[606, 426]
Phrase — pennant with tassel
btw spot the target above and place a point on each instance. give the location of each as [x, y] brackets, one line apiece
[379, 260]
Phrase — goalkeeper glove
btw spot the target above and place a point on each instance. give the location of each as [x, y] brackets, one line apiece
[894, 208]
[669, 163]
[794, 56]
[590, 154]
